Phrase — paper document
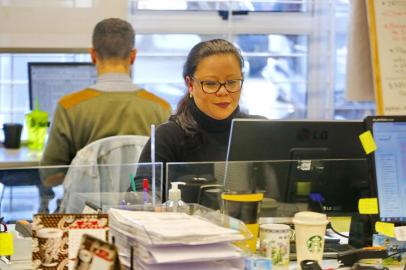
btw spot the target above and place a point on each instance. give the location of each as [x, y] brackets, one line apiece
[236, 264]
[170, 228]
[194, 253]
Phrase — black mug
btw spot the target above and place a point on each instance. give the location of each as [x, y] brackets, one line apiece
[12, 135]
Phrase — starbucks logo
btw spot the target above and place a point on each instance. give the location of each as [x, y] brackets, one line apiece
[315, 244]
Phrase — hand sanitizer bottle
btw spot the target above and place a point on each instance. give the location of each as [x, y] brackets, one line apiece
[174, 203]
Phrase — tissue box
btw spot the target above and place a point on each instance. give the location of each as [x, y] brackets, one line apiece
[393, 246]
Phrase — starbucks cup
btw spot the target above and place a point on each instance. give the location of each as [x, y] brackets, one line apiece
[310, 228]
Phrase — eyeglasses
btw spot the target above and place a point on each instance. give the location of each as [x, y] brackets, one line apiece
[212, 87]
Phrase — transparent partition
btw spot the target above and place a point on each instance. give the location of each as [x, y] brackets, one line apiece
[75, 189]
[332, 186]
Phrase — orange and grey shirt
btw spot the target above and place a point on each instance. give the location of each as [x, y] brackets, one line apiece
[113, 106]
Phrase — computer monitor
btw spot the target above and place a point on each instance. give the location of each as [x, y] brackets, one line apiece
[302, 147]
[48, 82]
[389, 166]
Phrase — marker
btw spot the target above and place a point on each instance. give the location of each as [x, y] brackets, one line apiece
[132, 182]
[145, 189]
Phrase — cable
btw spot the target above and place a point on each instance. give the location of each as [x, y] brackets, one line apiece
[329, 226]
[400, 251]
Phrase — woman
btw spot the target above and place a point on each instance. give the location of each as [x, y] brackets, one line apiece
[199, 131]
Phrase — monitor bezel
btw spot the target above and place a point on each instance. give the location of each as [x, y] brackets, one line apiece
[369, 122]
[32, 64]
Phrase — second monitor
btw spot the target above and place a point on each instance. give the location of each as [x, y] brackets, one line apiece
[48, 82]
[321, 163]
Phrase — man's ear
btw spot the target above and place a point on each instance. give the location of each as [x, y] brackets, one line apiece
[93, 55]
[133, 56]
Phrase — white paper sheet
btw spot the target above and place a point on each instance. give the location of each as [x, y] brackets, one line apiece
[194, 253]
[171, 227]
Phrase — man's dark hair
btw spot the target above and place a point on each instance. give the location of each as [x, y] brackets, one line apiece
[113, 38]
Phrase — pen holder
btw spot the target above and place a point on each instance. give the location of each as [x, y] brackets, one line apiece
[12, 135]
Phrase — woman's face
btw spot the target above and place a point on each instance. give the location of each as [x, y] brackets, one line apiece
[216, 68]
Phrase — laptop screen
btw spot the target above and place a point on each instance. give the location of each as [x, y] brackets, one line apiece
[389, 162]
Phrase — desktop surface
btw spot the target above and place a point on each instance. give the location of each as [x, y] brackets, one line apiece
[17, 158]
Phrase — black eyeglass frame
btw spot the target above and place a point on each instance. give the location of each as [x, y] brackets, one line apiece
[220, 85]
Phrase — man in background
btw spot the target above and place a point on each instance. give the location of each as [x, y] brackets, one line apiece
[112, 106]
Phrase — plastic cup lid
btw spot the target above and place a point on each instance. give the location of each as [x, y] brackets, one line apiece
[310, 218]
[38, 114]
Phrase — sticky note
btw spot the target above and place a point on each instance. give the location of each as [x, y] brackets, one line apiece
[368, 206]
[6, 244]
[400, 233]
[385, 228]
[368, 142]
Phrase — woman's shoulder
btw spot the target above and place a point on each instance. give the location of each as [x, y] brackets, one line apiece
[169, 129]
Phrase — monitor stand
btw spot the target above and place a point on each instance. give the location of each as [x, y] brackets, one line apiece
[361, 230]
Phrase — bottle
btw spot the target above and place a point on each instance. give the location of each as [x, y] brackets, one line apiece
[174, 202]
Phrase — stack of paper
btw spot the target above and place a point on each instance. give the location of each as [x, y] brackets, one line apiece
[168, 240]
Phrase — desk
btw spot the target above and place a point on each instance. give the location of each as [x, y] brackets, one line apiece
[19, 158]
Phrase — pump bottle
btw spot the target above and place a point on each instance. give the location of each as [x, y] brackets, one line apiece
[174, 202]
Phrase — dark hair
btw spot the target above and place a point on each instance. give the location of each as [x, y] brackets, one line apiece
[196, 55]
[113, 38]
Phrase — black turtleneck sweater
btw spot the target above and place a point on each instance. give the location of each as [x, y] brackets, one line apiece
[207, 143]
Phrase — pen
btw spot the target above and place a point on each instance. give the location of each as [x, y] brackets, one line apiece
[145, 189]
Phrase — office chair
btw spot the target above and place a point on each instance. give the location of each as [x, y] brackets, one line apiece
[98, 168]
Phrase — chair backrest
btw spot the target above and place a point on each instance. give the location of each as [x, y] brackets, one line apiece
[87, 177]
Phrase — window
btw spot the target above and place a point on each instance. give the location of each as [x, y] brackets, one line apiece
[295, 55]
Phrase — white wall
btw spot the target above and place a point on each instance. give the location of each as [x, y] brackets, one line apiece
[52, 25]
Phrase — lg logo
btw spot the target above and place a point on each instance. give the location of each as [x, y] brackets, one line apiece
[307, 134]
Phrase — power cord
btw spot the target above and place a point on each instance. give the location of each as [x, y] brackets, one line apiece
[400, 251]
[329, 226]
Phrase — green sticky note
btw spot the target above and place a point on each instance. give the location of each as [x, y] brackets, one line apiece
[368, 206]
[368, 142]
[6, 244]
[385, 228]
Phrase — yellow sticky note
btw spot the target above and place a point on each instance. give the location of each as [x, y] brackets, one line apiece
[368, 142]
[368, 206]
[6, 244]
[385, 228]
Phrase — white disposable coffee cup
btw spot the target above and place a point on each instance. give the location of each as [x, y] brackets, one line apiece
[49, 241]
[275, 243]
[310, 228]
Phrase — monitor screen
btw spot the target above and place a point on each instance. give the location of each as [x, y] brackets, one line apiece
[304, 175]
[389, 165]
[48, 82]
